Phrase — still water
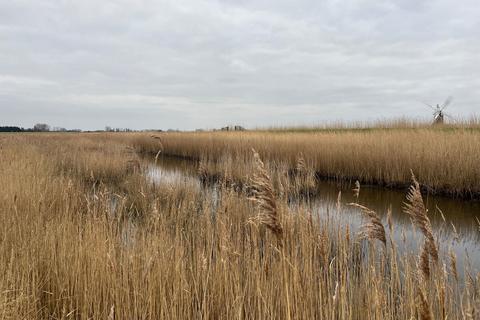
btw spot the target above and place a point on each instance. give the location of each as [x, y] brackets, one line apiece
[457, 230]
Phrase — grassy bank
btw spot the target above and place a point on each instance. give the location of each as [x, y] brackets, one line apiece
[85, 236]
[444, 159]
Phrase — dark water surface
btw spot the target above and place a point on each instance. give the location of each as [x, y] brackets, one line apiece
[460, 231]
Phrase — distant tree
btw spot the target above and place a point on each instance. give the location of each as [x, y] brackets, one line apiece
[108, 128]
[41, 127]
[11, 129]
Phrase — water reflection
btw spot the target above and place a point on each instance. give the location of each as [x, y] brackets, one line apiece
[458, 229]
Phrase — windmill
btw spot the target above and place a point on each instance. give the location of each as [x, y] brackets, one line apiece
[438, 114]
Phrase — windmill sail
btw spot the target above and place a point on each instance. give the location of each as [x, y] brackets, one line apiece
[438, 114]
[446, 103]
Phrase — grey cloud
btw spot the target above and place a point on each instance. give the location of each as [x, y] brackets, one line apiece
[188, 64]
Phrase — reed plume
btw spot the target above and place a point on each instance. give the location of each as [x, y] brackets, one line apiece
[160, 149]
[202, 170]
[453, 265]
[305, 177]
[339, 201]
[111, 315]
[424, 265]
[356, 190]
[301, 165]
[373, 229]
[423, 306]
[389, 219]
[415, 208]
[264, 197]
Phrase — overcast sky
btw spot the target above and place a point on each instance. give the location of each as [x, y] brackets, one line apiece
[204, 64]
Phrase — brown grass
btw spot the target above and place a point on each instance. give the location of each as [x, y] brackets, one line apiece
[264, 197]
[373, 229]
[444, 159]
[415, 208]
[117, 247]
[424, 307]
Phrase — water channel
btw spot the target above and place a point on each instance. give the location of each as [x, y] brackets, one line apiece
[458, 229]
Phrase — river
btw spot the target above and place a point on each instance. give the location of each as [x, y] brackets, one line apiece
[457, 230]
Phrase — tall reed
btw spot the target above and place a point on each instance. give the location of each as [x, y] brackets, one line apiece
[119, 247]
[445, 160]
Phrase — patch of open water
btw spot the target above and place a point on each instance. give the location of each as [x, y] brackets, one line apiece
[460, 231]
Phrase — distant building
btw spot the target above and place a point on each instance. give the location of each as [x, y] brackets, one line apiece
[233, 128]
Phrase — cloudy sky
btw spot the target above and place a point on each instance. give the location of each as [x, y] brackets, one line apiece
[204, 64]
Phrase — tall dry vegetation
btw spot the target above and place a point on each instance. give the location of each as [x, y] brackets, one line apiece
[85, 236]
[445, 159]
[415, 208]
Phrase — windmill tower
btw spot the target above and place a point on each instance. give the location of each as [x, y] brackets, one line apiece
[438, 111]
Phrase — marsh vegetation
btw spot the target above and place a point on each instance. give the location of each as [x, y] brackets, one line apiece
[444, 159]
[90, 230]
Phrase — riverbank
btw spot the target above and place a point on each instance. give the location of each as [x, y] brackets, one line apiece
[445, 161]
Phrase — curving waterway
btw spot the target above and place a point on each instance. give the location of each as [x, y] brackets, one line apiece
[455, 222]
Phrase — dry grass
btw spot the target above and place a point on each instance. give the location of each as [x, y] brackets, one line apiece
[263, 195]
[444, 160]
[374, 229]
[117, 247]
[471, 123]
[415, 208]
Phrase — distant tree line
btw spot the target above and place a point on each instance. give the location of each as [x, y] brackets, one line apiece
[110, 129]
[39, 127]
[11, 129]
[43, 127]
